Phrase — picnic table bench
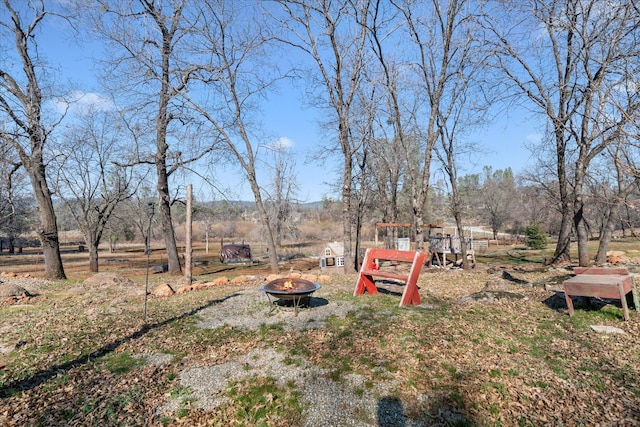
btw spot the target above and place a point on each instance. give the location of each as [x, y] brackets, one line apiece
[370, 269]
[602, 282]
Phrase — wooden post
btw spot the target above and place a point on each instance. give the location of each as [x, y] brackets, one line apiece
[376, 235]
[188, 247]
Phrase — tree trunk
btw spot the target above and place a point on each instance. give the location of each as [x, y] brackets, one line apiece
[563, 246]
[164, 206]
[418, 223]
[356, 256]
[581, 233]
[458, 218]
[579, 221]
[466, 265]
[607, 234]
[93, 257]
[264, 217]
[420, 191]
[349, 264]
[48, 231]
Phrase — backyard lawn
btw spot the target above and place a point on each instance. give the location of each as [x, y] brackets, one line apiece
[77, 354]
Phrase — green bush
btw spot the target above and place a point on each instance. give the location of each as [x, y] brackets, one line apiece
[536, 239]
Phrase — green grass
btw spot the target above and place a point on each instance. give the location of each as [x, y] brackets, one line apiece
[121, 363]
[105, 411]
[260, 401]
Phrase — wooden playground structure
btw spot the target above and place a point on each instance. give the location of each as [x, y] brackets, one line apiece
[445, 246]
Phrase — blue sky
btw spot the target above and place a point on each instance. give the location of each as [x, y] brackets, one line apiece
[502, 142]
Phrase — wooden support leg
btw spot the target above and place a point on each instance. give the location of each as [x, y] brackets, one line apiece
[569, 303]
[634, 292]
[623, 301]
[411, 295]
[365, 283]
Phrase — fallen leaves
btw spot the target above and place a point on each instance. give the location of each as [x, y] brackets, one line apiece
[511, 362]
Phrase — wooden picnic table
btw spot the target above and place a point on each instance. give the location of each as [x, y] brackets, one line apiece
[600, 282]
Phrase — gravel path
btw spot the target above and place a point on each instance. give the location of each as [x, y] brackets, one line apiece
[251, 308]
[327, 403]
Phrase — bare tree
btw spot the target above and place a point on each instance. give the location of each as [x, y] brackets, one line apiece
[135, 212]
[572, 78]
[498, 189]
[22, 100]
[15, 206]
[363, 129]
[333, 34]
[88, 180]
[447, 154]
[390, 151]
[149, 67]
[441, 49]
[234, 73]
[623, 159]
[282, 192]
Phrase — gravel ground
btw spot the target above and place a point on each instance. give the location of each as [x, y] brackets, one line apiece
[251, 308]
[327, 403]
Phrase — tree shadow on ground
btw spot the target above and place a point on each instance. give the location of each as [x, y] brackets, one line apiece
[445, 408]
[40, 377]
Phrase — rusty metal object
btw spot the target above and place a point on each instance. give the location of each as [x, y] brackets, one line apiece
[289, 289]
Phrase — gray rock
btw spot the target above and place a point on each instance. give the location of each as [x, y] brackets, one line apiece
[607, 329]
[12, 290]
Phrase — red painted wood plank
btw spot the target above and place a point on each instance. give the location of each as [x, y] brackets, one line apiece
[387, 274]
[367, 272]
[592, 290]
[391, 255]
[608, 271]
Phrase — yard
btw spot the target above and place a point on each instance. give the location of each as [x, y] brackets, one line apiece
[82, 355]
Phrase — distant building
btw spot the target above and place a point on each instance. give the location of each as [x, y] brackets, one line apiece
[332, 256]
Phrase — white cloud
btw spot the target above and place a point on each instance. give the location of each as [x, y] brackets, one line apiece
[86, 100]
[80, 102]
[282, 143]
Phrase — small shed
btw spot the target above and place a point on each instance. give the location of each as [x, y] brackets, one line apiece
[332, 256]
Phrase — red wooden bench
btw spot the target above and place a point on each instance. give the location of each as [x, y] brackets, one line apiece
[601, 282]
[370, 269]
